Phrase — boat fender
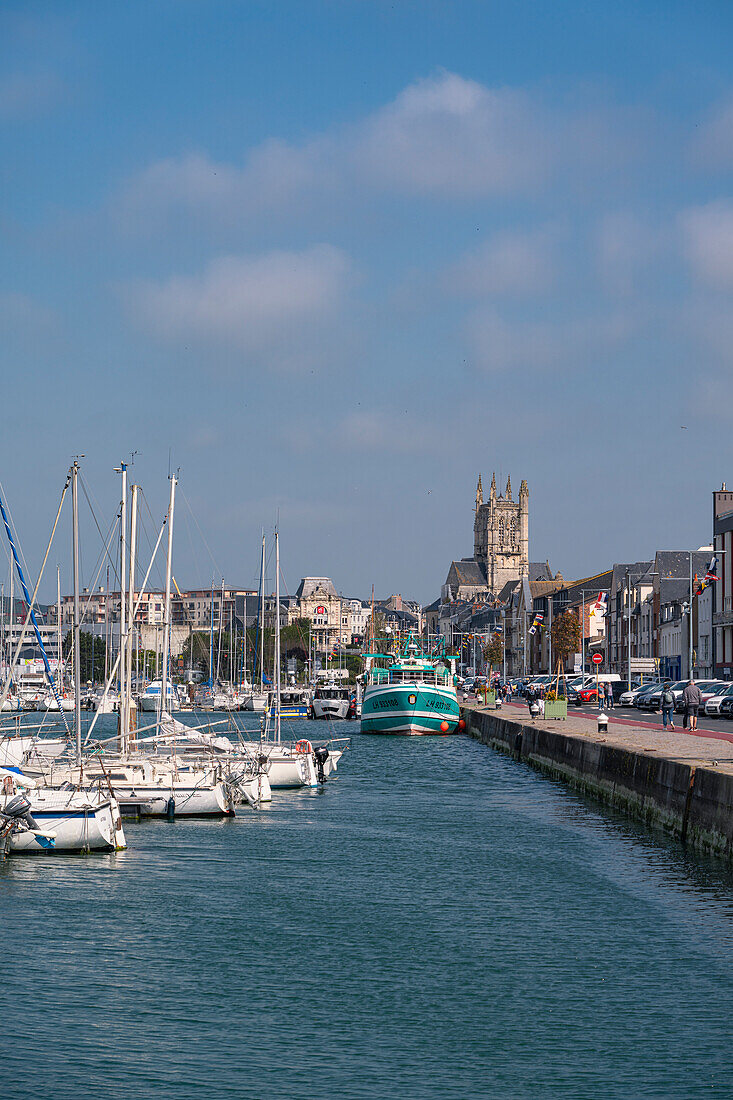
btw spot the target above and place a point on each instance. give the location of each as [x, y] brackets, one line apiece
[444, 727]
[462, 723]
[170, 808]
[303, 746]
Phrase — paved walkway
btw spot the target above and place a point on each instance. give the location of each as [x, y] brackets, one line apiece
[705, 747]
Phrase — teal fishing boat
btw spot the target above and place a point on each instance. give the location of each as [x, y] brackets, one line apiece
[411, 693]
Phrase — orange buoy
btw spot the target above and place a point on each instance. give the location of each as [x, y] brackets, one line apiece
[461, 723]
[444, 726]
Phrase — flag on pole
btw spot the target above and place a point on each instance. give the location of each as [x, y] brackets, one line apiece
[536, 622]
[601, 605]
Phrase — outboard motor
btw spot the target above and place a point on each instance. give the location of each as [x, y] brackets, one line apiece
[321, 755]
[19, 809]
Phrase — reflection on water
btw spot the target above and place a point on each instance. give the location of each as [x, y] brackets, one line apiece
[439, 922]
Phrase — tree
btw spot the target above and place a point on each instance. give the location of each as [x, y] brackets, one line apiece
[91, 654]
[565, 635]
[493, 653]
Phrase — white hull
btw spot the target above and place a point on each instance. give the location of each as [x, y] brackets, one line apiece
[256, 701]
[149, 703]
[78, 822]
[330, 708]
[14, 749]
[49, 703]
[153, 800]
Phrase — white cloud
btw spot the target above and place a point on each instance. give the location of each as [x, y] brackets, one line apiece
[625, 245]
[271, 305]
[444, 137]
[512, 263]
[451, 137]
[498, 344]
[708, 240]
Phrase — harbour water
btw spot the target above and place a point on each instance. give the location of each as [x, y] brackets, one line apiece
[440, 922]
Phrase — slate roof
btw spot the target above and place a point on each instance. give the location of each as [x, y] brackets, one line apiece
[309, 586]
[673, 589]
[540, 571]
[676, 563]
[467, 571]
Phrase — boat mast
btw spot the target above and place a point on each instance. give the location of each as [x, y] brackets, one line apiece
[276, 670]
[167, 616]
[59, 654]
[130, 613]
[77, 622]
[106, 630]
[261, 618]
[221, 627]
[124, 702]
[211, 640]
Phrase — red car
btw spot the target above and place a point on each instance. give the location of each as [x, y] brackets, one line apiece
[588, 695]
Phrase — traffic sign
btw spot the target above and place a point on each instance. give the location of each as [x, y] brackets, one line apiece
[643, 664]
[597, 658]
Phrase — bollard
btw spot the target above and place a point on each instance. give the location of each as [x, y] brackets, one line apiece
[602, 722]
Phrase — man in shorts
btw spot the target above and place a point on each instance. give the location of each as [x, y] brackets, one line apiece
[692, 698]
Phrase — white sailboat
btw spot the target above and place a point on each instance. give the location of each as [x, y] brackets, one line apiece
[72, 818]
[295, 764]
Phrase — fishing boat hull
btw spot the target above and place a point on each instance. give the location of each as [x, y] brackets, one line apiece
[409, 709]
[331, 708]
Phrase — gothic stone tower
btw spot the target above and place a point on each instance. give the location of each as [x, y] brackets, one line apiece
[501, 534]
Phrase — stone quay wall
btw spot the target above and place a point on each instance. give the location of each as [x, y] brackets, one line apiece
[691, 801]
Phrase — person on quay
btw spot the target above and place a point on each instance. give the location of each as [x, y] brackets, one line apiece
[668, 706]
[601, 696]
[692, 698]
[609, 696]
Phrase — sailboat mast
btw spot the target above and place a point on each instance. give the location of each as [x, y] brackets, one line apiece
[261, 619]
[211, 638]
[77, 620]
[130, 611]
[276, 669]
[124, 702]
[167, 616]
[59, 654]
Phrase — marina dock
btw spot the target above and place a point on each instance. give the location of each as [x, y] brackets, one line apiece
[678, 782]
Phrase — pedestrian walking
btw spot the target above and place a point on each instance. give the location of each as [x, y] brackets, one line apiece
[601, 696]
[692, 698]
[609, 696]
[668, 706]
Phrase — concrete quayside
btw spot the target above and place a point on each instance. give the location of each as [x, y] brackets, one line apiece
[673, 781]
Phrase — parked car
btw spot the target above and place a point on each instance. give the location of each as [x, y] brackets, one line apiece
[653, 700]
[708, 688]
[641, 695]
[713, 707]
[628, 697]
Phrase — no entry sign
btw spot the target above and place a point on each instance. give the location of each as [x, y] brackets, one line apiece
[597, 658]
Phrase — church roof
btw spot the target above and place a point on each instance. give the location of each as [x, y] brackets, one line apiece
[467, 571]
[540, 571]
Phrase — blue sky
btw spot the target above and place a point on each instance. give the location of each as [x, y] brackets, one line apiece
[337, 258]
